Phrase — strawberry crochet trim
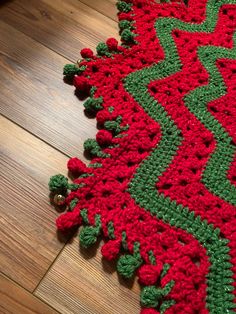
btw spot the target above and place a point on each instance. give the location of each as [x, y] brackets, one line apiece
[161, 185]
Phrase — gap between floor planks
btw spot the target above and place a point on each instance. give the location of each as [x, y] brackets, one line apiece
[80, 281]
[62, 26]
[29, 243]
[15, 299]
[21, 70]
[31, 67]
[22, 64]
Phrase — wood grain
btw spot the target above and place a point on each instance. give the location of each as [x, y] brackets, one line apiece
[34, 95]
[29, 242]
[16, 300]
[63, 26]
[106, 7]
[79, 282]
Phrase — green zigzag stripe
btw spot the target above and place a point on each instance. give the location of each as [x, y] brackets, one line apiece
[215, 174]
[197, 101]
[142, 187]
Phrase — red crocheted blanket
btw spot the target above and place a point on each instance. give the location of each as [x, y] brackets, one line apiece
[161, 184]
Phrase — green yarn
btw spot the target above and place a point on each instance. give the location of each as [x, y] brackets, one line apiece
[150, 296]
[93, 104]
[73, 203]
[110, 109]
[58, 184]
[167, 289]
[112, 126]
[110, 229]
[71, 70]
[120, 135]
[88, 235]
[92, 91]
[124, 242]
[95, 165]
[217, 167]
[127, 264]
[93, 147]
[119, 119]
[81, 69]
[123, 6]
[84, 215]
[73, 186]
[143, 186]
[127, 35]
[165, 269]
[170, 212]
[102, 50]
[165, 305]
[152, 257]
[85, 175]
[125, 24]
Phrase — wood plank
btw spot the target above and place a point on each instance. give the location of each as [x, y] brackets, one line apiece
[63, 26]
[34, 95]
[29, 241]
[16, 300]
[79, 282]
[106, 7]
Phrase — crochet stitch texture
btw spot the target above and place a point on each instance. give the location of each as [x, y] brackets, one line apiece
[161, 184]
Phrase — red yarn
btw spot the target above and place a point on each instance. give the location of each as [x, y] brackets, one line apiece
[103, 116]
[82, 83]
[112, 44]
[68, 220]
[125, 16]
[104, 137]
[179, 129]
[86, 53]
[149, 311]
[110, 250]
[76, 166]
[149, 274]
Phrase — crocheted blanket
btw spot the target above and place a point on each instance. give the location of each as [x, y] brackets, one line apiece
[161, 184]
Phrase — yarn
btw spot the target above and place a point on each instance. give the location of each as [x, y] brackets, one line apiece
[149, 311]
[68, 220]
[150, 296]
[88, 234]
[123, 6]
[58, 183]
[102, 50]
[70, 70]
[76, 166]
[161, 186]
[112, 44]
[104, 137]
[127, 264]
[82, 84]
[110, 250]
[149, 274]
[86, 53]
[127, 35]
[93, 104]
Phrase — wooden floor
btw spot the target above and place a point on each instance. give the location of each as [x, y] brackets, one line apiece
[42, 124]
